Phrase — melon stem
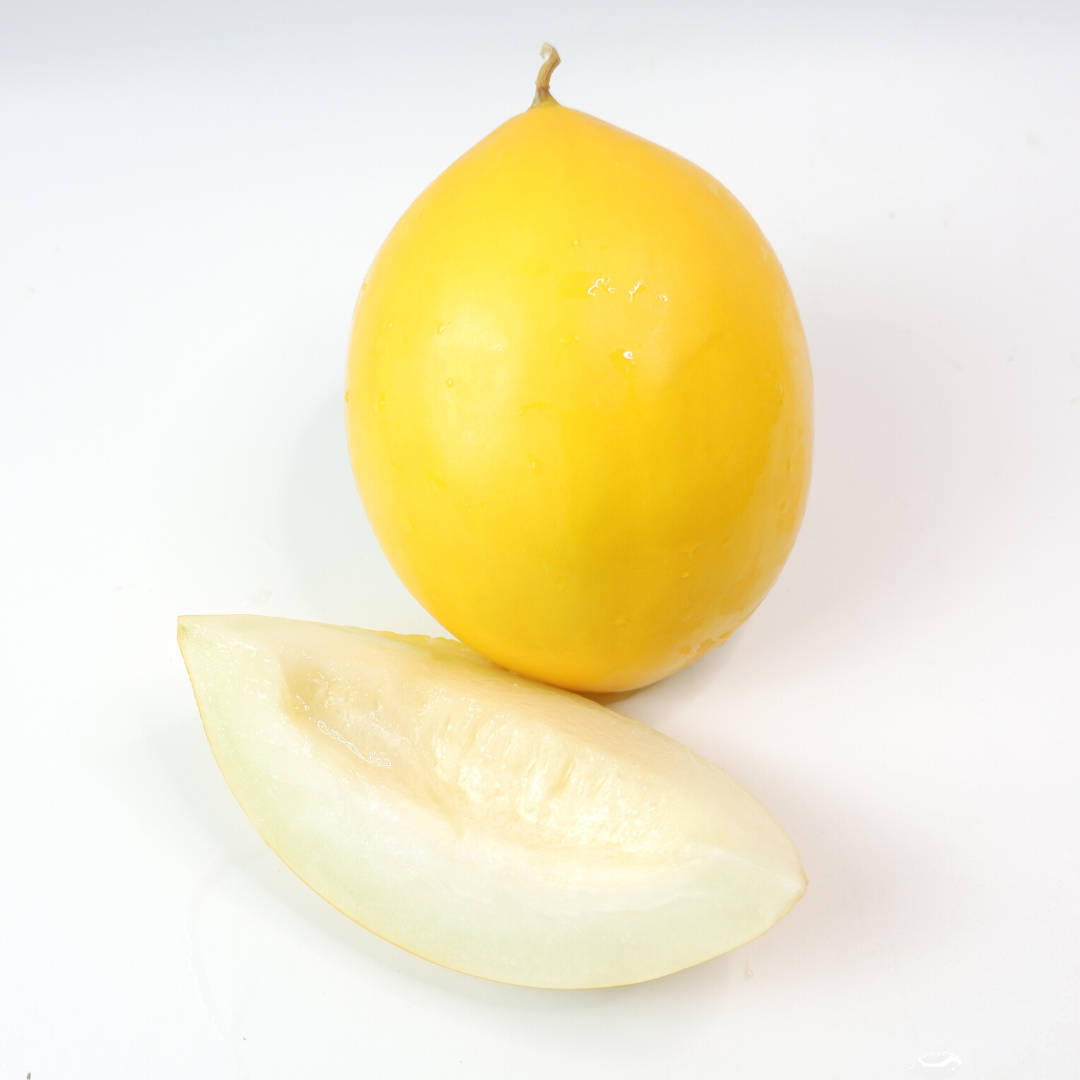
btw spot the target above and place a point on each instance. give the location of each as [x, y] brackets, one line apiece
[543, 77]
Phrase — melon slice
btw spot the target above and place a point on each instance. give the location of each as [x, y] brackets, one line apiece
[489, 823]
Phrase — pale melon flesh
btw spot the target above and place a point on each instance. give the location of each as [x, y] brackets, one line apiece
[491, 824]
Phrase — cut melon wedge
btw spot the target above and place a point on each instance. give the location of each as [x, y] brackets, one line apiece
[491, 824]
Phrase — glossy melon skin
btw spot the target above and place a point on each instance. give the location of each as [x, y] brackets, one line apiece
[486, 822]
[579, 404]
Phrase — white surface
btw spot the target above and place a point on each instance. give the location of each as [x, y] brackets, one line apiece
[191, 195]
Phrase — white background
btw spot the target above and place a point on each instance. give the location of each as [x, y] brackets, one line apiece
[191, 194]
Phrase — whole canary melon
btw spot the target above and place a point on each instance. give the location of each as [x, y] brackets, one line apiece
[579, 403]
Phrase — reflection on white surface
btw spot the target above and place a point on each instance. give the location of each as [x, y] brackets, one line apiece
[942, 1062]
